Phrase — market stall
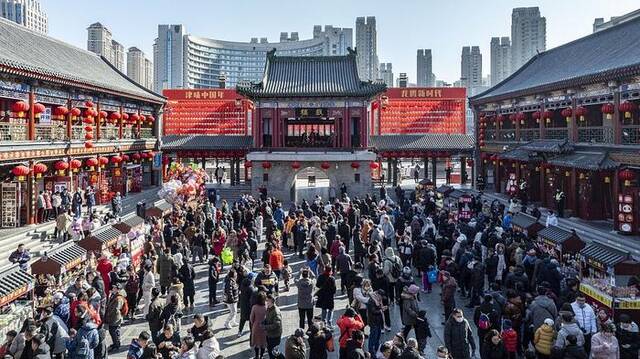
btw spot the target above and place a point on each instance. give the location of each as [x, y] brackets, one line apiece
[559, 243]
[526, 224]
[442, 193]
[159, 209]
[101, 241]
[605, 272]
[15, 306]
[133, 231]
[56, 270]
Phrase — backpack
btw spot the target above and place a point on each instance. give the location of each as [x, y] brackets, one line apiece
[483, 321]
[125, 306]
[432, 275]
[396, 268]
[83, 348]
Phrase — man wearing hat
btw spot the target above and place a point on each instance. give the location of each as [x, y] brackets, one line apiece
[294, 347]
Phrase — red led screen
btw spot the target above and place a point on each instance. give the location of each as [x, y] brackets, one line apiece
[205, 112]
[417, 110]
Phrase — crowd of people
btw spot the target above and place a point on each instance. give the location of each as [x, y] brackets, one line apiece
[385, 256]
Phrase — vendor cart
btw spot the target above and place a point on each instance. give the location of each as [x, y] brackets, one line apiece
[15, 289]
[56, 270]
[159, 209]
[526, 224]
[559, 243]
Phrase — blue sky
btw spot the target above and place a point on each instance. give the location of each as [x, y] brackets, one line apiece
[403, 25]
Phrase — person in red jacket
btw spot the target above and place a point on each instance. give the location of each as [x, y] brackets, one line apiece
[349, 322]
[510, 339]
[104, 266]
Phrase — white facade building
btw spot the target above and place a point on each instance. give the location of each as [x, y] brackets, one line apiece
[99, 40]
[136, 65]
[27, 13]
[148, 74]
[500, 59]
[367, 48]
[117, 56]
[471, 67]
[528, 35]
[336, 40]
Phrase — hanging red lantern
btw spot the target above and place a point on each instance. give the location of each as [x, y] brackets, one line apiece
[581, 112]
[20, 109]
[115, 116]
[88, 103]
[608, 109]
[355, 165]
[536, 116]
[61, 166]
[627, 176]
[325, 165]
[59, 113]
[374, 165]
[266, 165]
[91, 163]
[522, 117]
[547, 115]
[125, 158]
[89, 113]
[39, 169]
[512, 117]
[75, 165]
[102, 114]
[75, 112]
[566, 113]
[500, 118]
[628, 108]
[88, 120]
[116, 160]
[88, 144]
[136, 157]
[88, 136]
[134, 118]
[38, 109]
[295, 165]
[20, 172]
[88, 128]
[150, 119]
[125, 116]
[103, 161]
[248, 164]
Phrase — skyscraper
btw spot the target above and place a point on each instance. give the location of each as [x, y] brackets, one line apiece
[168, 58]
[424, 69]
[528, 35]
[27, 13]
[148, 74]
[386, 73]
[500, 59]
[336, 40]
[117, 56]
[136, 65]
[99, 40]
[471, 67]
[367, 47]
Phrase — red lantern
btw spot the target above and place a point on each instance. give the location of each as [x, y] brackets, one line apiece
[512, 117]
[295, 165]
[103, 161]
[75, 165]
[88, 144]
[134, 118]
[566, 113]
[266, 165]
[102, 115]
[88, 136]
[521, 116]
[325, 165]
[355, 165]
[136, 157]
[88, 120]
[628, 108]
[481, 143]
[125, 116]
[374, 165]
[61, 166]
[248, 164]
[125, 158]
[39, 169]
[608, 109]
[536, 116]
[20, 172]
[116, 160]
[581, 112]
[91, 163]
[500, 118]
[88, 103]
[88, 128]
[75, 112]
[547, 115]
[38, 108]
[19, 109]
[150, 119]
[59, 113]
[115, 116]
[627, 176]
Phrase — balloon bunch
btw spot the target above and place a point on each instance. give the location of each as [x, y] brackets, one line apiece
[186, 182]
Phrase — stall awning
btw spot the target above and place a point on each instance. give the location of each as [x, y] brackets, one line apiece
[128, 223]
[519, 154]
[555, 234]
[523, 220]
[456, 194]
[64, 257]
[604, 254]
[444, 189]
[106, 235]
[591, 161]
[14, 283]
[548, 146]
[159, 209]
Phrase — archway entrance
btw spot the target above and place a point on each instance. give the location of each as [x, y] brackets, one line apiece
[310, 182]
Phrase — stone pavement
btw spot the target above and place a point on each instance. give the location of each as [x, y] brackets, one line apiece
[234, 347]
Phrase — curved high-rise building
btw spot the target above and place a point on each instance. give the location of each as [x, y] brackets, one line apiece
[188, 61]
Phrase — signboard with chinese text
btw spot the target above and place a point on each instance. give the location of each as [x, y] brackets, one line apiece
[311, 112]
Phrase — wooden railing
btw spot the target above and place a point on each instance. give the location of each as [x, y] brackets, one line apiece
[13, 131]
[630, 135]
[597, 134]
[556, 133]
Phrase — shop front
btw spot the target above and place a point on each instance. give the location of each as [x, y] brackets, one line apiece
[101, 241]
[133, 233]
[560, 244]
[159, 209]
[56, 270]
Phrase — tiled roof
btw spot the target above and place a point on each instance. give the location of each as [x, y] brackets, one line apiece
[11, 280]
[302, 76]
[432, 141]
[47, 58]
[604, 254]
[519, 154]
[593, 160]
[204, 142]
[128, 223]
[523, 220]
[597, 57]
[555, 234]
[548, 145]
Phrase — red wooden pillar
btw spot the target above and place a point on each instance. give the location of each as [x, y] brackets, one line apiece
[69, 120]
[120, 122]
[98, 121]
[32, 117]
[138, 125]
[30, 196]
[257, 128]
[617, 130]
[541, 121]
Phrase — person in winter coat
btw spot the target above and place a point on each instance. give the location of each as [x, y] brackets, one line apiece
[209, 347]
[543, 339]
[375, 310]
[458, 336]
[213, 276]
[568, 327]
[325, 294]
[486, 318]
[423, 330]
[348, 323]
[272, 325]
[246, 301]
[573, 350]
[165, 262]
[40, 349]
[294, 346]
[604, 344]
[493, 346]
[154, 314]
[258, 338]
[305, 284]
[628, 338]
[510, 338]
[231, 296]
[540, 309]
[318, 336]
[392, 268]
[585, 317]
[188, 276]
[114, 315]
[148, 284]
[82, 343]
[56, 332]
[409, 308]
[449, 287]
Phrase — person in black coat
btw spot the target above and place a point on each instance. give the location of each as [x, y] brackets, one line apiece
[187, 276]
[213, 276]
[246, 301]
[487, 307]
[492, 346]
[318, 337]
[325, 294]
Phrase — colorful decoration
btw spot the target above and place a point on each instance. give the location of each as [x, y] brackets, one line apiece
[136, 157]
[88, 144]
[266, 165]
[75, 165]
[355, 165]
[325, 165]
[20, 172]
[608, 110]
[628, 108]
[115, 160]
[186, 183]
[295, 165]
[536, 116]
[39, 169]
[20, 109]
[566, 113]
[581, 112]
[125, 158]
[627, 176]
[103, 161]
[38, 109]
[88, 103]
[374, 165]
[60, 113]
[91, 163]
[61, 166]
[547, 115]
[75, 113]
[522, 117]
